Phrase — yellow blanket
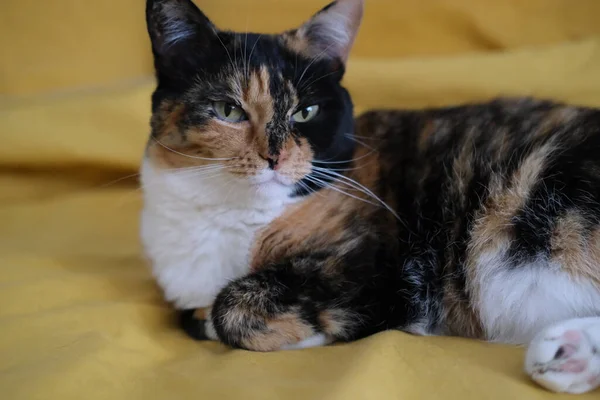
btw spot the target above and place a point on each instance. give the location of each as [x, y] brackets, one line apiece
[80, 317]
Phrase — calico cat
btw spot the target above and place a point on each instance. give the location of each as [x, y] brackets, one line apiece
[481, 220]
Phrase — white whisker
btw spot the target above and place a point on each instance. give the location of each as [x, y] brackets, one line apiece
[194, 174]
[231, 183]
[118, 180]
[250, 56]
[188, 173]
[315, 58]
[190, 156]
[354, 184]
[309, 189]
[351, 137]
[324, 184]
[199, 167]
[318, 79]
[246, 49]
[177, 170]
[344, 169]
[344, 161]
[364, 137]
[227, 51]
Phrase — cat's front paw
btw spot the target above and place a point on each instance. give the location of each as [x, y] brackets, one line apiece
[197, 324]
[565, 357]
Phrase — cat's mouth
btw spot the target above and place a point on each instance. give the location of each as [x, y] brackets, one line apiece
[269, 177]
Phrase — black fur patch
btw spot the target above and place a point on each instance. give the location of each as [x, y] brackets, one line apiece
[194, 327]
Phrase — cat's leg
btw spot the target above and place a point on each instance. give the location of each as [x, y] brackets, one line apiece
[203, 329]
[198, 324]
[300, 303]
[566, 357]
[274, 309]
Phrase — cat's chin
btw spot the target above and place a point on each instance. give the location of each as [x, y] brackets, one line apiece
[273, 189]
[272, 185]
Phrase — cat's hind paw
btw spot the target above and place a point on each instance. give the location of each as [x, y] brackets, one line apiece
[565, 357]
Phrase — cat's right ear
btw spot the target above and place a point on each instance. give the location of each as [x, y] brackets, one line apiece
[330, 33]
[180, 34]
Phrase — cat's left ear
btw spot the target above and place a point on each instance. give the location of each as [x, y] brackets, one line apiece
[330, 33]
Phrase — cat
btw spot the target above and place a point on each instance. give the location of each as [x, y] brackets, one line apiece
[275, 220]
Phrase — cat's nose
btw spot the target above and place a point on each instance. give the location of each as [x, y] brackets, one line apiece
[272, 162]
[275, 160]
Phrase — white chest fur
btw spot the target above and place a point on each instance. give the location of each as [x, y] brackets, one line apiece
[197, 231]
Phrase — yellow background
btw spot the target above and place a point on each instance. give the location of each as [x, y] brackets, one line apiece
[80, 316]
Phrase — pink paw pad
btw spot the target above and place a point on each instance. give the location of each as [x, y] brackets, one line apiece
[574, 366]
[572, 336]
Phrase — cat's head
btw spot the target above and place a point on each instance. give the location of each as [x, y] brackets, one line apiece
[266, 110]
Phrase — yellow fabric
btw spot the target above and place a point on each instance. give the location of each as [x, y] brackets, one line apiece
[80, 316]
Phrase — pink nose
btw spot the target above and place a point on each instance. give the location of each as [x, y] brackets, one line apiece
[276, 161]
[272, 163]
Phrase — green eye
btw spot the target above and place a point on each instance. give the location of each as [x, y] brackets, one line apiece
[306, 114]
[229, 112]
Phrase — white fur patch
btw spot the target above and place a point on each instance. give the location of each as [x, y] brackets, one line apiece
[197, 231]
[313, 341]
[209, 329]
[517, 303]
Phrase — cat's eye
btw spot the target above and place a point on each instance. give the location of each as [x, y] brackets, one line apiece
[306, 114]
[229, 112]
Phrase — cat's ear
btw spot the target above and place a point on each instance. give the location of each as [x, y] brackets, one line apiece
[180, 33]
[330, 33]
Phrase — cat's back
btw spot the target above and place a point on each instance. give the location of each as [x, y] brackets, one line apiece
[507, 195]
[498, 126]
[477, 147]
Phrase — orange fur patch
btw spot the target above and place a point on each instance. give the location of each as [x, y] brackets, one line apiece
[258, 104]
[282, 330]
[556, 118]
[297, 43]
[462, 170]
[215, 140]
[460, 318]
[328, 210]
[493, 228]
[292, 231]
[579, 255]
[333, 322]
[295, 160]
[201, 313]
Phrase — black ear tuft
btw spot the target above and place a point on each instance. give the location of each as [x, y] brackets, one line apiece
[180, 34]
